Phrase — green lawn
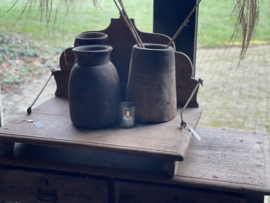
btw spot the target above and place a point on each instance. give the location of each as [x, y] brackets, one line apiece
[215, 22]
[81, 17]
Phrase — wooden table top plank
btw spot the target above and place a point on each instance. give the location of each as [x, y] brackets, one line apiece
[229, 157]
[164, 140]
[244, 168]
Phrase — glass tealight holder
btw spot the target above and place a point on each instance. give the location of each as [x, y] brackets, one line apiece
[126, 114]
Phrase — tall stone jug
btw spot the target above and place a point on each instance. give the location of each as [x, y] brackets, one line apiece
[151, 83]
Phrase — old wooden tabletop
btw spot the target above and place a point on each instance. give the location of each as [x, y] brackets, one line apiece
[228, 160]
[164, 140]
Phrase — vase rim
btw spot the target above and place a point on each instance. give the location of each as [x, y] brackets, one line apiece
[125, 105]
[92, 48]
[154, 47]
[102, 35]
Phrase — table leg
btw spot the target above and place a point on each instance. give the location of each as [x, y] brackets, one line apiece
[172, 167]
[255, 199]
[6, 147]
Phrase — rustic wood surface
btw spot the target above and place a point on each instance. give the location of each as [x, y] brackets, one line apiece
[227, 160]
[33, 187]
[120, 38]
[128, 192]
[237, 158]
[164, 140]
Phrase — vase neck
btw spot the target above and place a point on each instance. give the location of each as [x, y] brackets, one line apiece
[92, 55]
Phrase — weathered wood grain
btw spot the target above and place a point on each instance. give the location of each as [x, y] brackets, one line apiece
[128, 192]
[121, 40]
[164, 140]
[226, 160]
[233, 157]
[32, 187]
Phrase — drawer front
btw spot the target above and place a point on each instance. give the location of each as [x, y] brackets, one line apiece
[32, 187]
[127, 192]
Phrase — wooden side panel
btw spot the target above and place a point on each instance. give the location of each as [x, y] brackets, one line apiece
[32, 187]
[61, 77]
[6, 147]
[184, 83]
[255, 199]
[169, 15]
[163, 140]
[126, 192]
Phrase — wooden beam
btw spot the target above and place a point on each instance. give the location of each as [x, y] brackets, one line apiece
[172, 167]
[255, 198]
[169, 15]
[5, 147]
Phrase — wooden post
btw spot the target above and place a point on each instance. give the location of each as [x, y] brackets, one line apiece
[5, 147]
[255, 198]
[168, 17]
[172, 167]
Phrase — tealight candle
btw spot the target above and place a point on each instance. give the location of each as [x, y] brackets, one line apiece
[127, 114]
[128, 120]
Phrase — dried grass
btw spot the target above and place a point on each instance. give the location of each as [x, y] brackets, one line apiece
[46, 8]
[248, 17]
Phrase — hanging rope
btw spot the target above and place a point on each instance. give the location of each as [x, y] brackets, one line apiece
[29, 110]
[183, 124]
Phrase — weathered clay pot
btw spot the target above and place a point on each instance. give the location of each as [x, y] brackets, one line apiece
[151, 83]
[94, 89]
[90, 38]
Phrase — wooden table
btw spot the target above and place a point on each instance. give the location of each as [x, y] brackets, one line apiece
[161, 141]
[225, 166]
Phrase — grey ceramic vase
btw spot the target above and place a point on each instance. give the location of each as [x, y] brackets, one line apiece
[94, 89]
[152, 84]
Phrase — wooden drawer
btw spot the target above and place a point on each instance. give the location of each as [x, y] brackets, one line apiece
[32, 187]
[126, 192]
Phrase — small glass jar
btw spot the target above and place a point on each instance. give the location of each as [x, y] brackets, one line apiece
[127, 114]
